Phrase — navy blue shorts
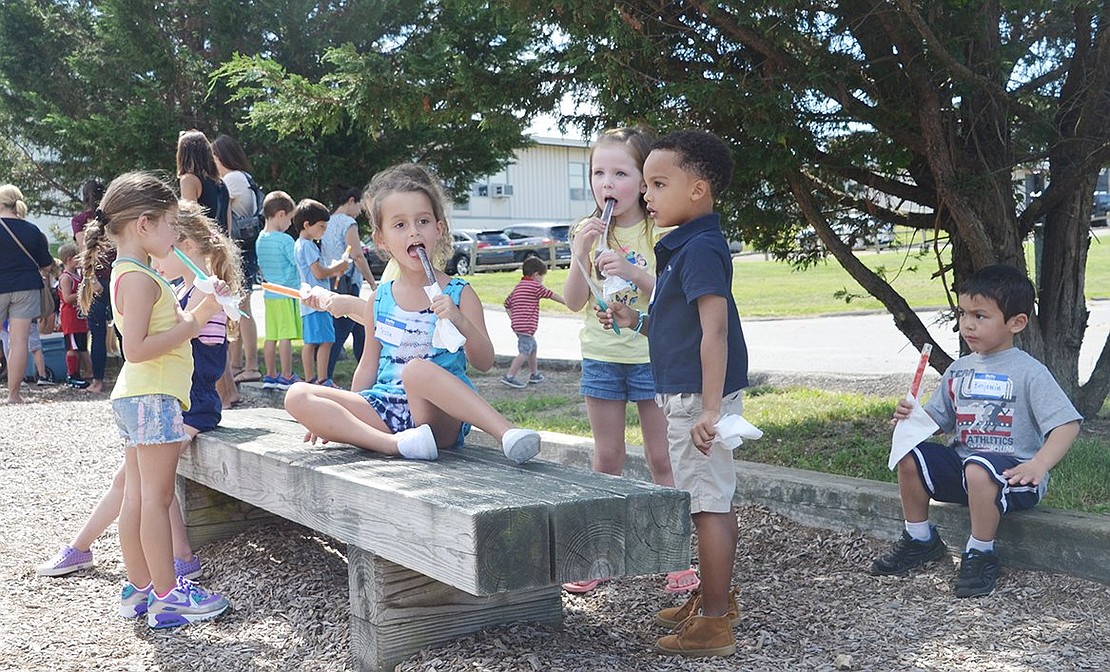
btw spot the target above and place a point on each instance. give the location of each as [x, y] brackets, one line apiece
[942, 473]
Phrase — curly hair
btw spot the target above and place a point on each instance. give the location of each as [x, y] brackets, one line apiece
[408, 178]
[703, 154]
[221, 253]
[129, 197]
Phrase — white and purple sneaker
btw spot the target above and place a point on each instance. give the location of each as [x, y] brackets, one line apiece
[68, 560]
[133, 601]
[185, 604]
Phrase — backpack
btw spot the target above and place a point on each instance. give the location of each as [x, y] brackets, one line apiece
[245, 228]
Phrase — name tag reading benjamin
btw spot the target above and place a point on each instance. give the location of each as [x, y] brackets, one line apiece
[988, 386]
[389, 331]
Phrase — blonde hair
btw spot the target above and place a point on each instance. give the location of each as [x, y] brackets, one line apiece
[67, 251]
[408, 178]
[129, 197]
[637, 141]
[12, 197]
[221, 253]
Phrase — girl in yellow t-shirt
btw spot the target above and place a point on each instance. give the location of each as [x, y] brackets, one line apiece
[137, 216]
[620, 260]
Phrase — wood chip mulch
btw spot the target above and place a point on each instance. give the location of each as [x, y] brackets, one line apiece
[806, 598]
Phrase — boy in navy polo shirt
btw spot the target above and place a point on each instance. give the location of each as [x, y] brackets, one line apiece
[1009, 423]
[700, 364]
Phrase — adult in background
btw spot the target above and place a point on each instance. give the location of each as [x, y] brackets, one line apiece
[234, 168]
[342, 232]
[200, 181]
[20, 280]
[91, 193]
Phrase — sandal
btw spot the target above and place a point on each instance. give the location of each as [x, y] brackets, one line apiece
[683, 581]
[247, 376]
[582, 587]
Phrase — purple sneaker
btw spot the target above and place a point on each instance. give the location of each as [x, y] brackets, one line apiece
[132, 600]
[190, 569]
[185, 604]
[68, 560]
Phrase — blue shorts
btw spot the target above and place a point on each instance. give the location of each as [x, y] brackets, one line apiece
[149, 419]
[616, 382]
[525, 343]
[942, 473]
[318, 328]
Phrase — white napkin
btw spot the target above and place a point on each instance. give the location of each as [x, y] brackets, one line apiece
[910, 432]
[229, 303]
[732, 429]
[446, 335]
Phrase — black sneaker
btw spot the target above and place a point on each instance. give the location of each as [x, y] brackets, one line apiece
[43, 380]
[76, 383]
[978, 573]
[908, 553]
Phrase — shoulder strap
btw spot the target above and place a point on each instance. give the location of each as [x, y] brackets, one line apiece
[22, 247]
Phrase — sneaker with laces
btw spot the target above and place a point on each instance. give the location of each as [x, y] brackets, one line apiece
[671, 617]
[43, 380]
[269, 382]
[908, 553]
[535, 378]
[190, 569]
[76, 383]
[513, 382]
[284, 383]
[67, 560]
[699, 637]
[186, 603]
[978, 573]
[133, 601]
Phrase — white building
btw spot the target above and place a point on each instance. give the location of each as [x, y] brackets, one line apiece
[547, 182]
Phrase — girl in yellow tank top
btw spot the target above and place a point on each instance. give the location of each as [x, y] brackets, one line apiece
[137, 216]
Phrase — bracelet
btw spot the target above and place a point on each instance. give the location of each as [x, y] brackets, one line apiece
[640, 322]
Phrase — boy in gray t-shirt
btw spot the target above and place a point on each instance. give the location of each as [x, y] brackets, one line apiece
[1009, 421]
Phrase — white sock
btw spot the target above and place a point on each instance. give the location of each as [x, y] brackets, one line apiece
[983, 546]
[520, 445]
[417, 443]
[920, 531]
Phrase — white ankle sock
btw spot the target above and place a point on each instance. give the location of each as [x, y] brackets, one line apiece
[417, 443]
[919, 531]
[984, 546]
[520, 445]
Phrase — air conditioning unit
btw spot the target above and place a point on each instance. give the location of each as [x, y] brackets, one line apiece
[501, 190]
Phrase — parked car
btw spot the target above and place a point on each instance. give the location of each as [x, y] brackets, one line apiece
[536, 238]
[474, 249]
[1100, 208]
[377, 263]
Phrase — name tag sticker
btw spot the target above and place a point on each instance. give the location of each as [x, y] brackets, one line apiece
[389, 331]
[989, 386]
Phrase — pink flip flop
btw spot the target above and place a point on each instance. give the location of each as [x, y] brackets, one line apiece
[683, 581]
[581, 587]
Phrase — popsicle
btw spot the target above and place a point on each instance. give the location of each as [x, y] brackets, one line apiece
[230, 304]
[596, 291]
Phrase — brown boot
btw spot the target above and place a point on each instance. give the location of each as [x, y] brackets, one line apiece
[700, 637]
[672, 616]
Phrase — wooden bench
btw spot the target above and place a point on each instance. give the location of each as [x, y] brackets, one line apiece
[436, 550]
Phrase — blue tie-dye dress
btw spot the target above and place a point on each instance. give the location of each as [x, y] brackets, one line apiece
[404, 336]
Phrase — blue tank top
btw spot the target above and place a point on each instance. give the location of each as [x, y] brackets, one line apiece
[405, 335]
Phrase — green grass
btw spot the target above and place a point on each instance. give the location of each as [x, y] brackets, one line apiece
[766, 288]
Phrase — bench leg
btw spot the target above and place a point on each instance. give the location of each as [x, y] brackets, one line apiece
[211, 515]
[396, 612]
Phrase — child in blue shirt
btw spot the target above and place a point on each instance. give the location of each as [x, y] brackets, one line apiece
[276, 262]
[310, 220]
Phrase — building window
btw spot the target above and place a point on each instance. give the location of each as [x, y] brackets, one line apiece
[579, 181]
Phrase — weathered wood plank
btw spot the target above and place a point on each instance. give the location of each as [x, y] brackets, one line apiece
[211, 515]
[395, 612]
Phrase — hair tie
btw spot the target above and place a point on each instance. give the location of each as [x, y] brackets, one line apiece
[99, 214]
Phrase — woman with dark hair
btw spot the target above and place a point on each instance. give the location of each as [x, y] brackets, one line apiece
[234, 168]
[24, 257]
[91, 193]
[200, 181]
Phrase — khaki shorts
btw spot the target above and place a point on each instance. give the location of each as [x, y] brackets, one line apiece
[710, 479]
[22, 305]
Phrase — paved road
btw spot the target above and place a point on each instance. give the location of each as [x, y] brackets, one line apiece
[867, 344]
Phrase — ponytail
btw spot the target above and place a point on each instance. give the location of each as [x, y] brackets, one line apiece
[97, 246]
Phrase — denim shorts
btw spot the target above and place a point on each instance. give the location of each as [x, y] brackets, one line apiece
[616, 382]
[149, 419]
[525, 343]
